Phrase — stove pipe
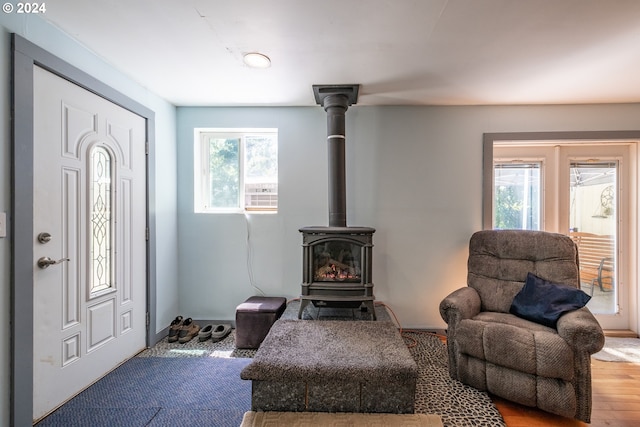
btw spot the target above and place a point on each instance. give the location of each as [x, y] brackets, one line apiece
[336, 107]
[336, 100]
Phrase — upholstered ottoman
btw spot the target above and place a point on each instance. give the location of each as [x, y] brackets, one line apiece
[254, 319]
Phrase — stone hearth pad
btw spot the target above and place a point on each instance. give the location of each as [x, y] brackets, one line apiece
[333, 366]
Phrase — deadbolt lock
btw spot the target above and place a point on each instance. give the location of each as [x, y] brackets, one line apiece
[44, 237]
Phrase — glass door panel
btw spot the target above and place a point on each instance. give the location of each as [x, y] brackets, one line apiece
[593, 223]
[516, 196]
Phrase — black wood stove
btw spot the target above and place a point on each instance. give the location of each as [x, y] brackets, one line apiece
[337, 259]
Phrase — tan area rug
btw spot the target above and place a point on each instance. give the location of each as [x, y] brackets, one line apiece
[341, 419]
[619, 350]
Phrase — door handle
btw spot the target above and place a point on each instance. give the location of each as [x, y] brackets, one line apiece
[45, 261]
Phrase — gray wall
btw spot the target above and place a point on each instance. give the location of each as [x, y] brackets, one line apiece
[413, 173]
[47, 37]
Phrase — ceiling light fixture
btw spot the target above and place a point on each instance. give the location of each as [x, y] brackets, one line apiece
[257, 60]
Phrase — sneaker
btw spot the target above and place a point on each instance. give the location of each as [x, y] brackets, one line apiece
[188, 330]
[205, 333]
[220, 332]
[174, 328]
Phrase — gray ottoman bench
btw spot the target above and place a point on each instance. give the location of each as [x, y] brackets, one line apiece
[254, 319]
[332, 366]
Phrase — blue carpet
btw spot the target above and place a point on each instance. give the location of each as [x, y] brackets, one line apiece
[197, 418]
[160, 391]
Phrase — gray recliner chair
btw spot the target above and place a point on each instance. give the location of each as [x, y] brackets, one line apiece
[534, 363]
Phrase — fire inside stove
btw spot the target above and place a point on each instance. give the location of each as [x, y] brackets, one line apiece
[337, 262]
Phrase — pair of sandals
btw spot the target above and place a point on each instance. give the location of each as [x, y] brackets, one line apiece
[215, 332]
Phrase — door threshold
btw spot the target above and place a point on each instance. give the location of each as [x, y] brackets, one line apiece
[620, 333]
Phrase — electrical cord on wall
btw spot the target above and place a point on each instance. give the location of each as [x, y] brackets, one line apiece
[403, 332]
[250, 258]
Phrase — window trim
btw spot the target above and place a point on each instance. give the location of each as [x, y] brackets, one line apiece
[202, 182]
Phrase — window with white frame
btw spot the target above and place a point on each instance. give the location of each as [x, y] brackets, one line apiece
[236, 170]
[516, 195]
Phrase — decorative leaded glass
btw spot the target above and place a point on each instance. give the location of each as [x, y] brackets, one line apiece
[100, 210]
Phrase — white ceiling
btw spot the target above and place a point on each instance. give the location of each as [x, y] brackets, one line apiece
[401, 52]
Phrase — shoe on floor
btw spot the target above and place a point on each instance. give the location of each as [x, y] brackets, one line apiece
[205, 333]
[220, 332]
[174, 329]
[188, 330]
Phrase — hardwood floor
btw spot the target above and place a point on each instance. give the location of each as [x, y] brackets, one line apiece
[616, 400]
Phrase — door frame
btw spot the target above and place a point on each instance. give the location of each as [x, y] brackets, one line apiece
[25, 56]
[587, 136]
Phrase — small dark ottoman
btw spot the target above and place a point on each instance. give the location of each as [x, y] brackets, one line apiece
[254, 319]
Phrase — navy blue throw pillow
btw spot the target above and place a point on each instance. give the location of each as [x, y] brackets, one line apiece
[544, 302]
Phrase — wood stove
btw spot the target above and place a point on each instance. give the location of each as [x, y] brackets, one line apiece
[337, 259]
[336, 269]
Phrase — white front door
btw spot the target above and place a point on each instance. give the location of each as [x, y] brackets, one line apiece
[89, 243]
